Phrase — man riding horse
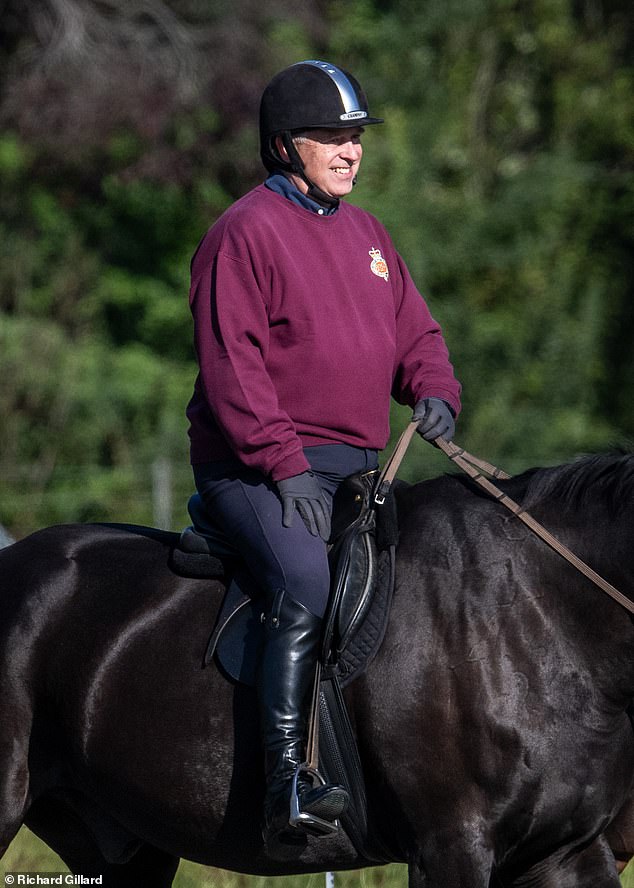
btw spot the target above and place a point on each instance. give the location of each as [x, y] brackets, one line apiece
[306, 320]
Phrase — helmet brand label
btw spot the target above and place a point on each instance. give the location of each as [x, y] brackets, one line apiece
[378, 266]
[353, 115]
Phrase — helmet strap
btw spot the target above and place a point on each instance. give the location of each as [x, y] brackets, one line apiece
[296, 166]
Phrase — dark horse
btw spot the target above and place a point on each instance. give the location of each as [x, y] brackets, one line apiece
[492, 725]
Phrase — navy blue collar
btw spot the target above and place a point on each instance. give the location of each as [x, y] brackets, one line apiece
[280, 184]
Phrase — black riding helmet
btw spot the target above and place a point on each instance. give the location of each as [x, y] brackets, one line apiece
[308, 95]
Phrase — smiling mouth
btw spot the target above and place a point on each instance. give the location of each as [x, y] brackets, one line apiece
[341, 170]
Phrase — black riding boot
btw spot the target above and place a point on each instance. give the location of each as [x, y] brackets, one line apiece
[286, 675]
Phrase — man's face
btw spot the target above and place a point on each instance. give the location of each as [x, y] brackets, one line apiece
[331, 159]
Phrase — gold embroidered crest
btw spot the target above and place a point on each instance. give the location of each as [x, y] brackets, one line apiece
[378, 266]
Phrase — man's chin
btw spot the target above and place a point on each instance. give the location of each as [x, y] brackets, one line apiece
[341, 191]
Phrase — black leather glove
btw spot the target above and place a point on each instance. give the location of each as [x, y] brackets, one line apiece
[435, 419]
[302, 492]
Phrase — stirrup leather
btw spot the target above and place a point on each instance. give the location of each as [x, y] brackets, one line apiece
[303, 820]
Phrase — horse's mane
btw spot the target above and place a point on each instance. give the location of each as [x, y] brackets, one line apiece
[608, 477]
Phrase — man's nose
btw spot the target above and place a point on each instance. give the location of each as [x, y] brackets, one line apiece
[351, 150]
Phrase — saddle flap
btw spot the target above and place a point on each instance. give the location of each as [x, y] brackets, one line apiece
[354, 638]
[358, 586]
[357, 568]
[353, 569]
[238, 642]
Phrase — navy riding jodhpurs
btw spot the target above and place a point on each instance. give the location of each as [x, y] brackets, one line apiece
[245, 504]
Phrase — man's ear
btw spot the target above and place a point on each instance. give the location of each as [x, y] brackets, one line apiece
[281, 149]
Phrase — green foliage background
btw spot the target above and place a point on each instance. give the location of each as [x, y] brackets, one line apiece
[504, 173]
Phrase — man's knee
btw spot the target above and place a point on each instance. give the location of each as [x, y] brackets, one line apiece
[309, 585]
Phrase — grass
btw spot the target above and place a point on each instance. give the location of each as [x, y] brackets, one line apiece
[28, 854]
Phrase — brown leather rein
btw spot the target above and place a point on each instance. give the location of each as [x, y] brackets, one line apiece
[477, 469]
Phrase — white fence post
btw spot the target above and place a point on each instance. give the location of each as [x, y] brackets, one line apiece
[162, 492]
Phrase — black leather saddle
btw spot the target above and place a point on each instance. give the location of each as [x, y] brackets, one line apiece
[361, 567]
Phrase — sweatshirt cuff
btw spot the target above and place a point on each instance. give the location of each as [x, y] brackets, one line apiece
[451, 400]
[294, 464]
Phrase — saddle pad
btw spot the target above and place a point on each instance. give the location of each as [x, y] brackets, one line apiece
[360, 645]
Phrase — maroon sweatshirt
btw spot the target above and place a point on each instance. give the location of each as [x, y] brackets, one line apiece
[304, 325]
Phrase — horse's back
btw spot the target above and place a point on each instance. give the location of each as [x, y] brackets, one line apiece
[73, 594]
[67, 589]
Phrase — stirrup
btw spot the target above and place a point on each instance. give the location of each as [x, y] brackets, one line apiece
[303, 820]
